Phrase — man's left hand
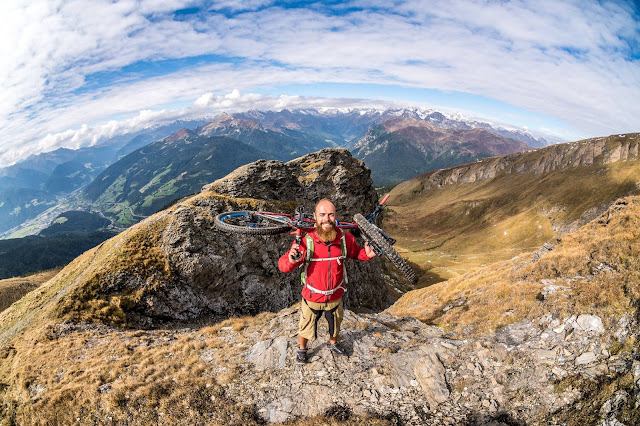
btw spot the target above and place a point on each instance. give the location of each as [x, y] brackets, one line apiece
[369, 250]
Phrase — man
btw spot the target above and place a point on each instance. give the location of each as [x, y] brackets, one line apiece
[322, 253]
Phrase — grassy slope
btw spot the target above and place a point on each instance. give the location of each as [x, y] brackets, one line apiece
[13, 289]
[146, 180]
[453, 229]
[596, 267]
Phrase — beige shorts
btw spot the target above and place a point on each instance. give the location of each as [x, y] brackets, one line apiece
[332, 311]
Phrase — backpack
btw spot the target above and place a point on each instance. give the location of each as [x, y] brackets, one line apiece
[309, 258]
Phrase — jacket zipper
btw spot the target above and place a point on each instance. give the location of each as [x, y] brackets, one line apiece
[329, 262]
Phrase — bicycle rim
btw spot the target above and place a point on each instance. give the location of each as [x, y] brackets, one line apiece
[372, 233]
[249, 222]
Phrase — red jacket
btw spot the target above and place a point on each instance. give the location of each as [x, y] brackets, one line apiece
[324, 275]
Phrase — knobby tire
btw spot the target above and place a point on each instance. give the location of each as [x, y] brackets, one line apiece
[243, 225]
[371, 232]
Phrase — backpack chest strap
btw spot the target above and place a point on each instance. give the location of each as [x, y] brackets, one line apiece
[338, 258]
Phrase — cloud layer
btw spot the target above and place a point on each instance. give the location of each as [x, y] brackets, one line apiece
[67, 64]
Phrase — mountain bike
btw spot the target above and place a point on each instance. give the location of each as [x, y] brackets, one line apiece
[268, 223]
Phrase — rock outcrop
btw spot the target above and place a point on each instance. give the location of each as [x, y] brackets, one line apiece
[176, 265]
[329, 173]
[530, 372]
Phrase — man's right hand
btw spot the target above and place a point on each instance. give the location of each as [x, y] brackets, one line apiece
[294, 253]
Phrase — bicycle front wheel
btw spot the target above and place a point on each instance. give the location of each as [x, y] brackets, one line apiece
[249, 222]
[372, 233]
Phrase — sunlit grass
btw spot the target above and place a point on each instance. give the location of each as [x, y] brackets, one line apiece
[597, 268]
[13, 289]
[455, 229]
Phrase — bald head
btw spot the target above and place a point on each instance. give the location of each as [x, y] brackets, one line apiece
[325, 215]
[325, 204]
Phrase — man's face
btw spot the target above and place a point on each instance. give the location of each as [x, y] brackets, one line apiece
[326, 221]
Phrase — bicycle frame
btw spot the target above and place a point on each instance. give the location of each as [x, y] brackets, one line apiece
[307, 224]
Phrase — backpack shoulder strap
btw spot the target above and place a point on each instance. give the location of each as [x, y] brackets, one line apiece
[343, 249]
[343, 245]
[309, 243]
[307, 259]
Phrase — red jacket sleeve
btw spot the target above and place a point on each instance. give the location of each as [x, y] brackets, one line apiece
[354, 251]
[285, 266]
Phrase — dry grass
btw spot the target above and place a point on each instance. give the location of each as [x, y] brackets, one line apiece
[310, 165]
[96, 374]
[455, 229]
[13, 289]
[99, 374]
[138, 255]
[598, 267]
[103, 375]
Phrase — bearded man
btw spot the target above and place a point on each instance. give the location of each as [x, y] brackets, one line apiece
[321, 254]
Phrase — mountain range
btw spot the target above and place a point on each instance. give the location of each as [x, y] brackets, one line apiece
[89, 178]
[400, 148]
[43, 181]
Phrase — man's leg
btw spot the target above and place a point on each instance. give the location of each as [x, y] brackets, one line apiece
[307, 329]
[334, 318]
[302, 341]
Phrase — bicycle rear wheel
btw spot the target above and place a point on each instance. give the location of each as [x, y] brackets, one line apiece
[249, 222]
[372, 233]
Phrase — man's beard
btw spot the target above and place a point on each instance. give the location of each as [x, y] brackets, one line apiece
[326, 234]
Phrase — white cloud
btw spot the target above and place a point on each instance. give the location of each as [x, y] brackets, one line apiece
[570, 59]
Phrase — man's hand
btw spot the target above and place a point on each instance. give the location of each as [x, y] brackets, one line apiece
[370, 253]
[294, 253]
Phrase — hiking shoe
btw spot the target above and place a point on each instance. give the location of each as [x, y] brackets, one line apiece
[301, 356]
[336, 349]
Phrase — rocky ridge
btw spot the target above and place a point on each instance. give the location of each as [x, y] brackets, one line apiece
[176, 266]
[595, 151]
[528, 373]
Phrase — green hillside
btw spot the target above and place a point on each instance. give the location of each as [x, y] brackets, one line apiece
[28, 255]
[146, 180]
[20, 204]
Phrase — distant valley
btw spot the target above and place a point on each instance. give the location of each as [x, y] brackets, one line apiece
[44, 181]
[69, 235]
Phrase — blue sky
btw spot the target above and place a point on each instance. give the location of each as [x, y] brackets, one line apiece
[75, 72]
